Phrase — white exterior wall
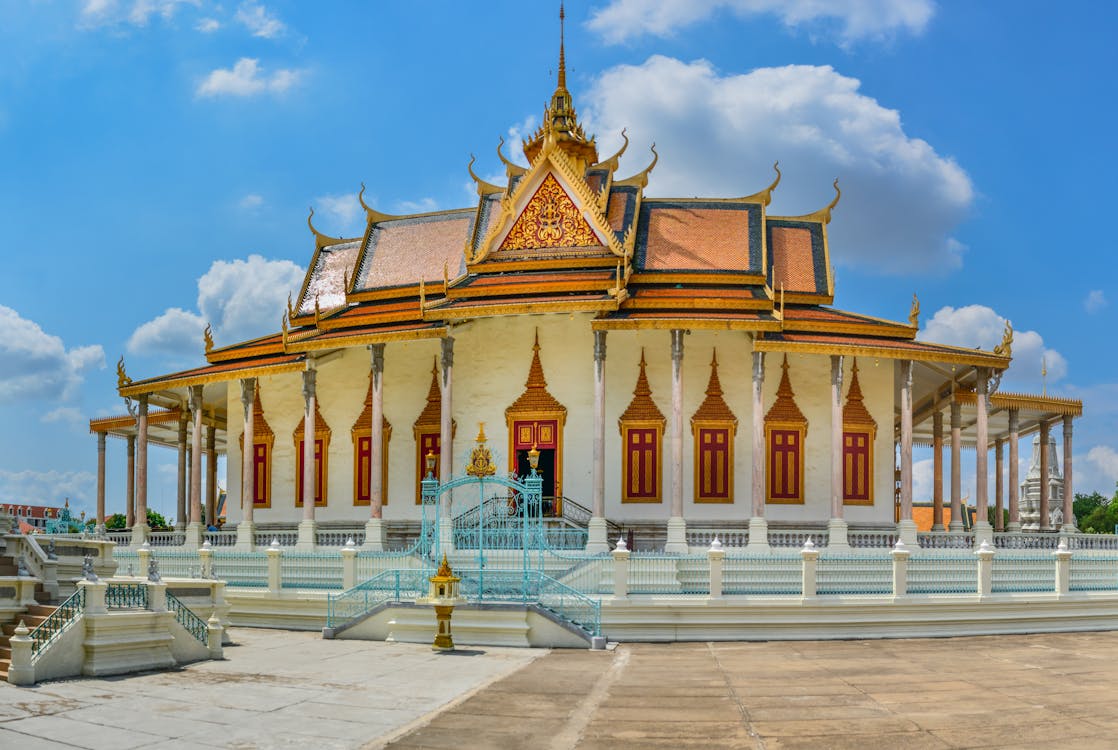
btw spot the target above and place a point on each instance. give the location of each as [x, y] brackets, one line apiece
[491, 361]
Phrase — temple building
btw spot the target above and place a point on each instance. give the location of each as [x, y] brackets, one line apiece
[677, 362]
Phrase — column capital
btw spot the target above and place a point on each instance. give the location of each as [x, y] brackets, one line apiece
[758, 367]
[956, 415]
[677, 345]
[142, 402]
[599, 346]
[248, 392]
[309, 377]
[101, 442]
[1068, 419]
[377, 358]
[937, 420]
[906, 373]
[196, 399]
[447, 343]
[836, 370]
[1014, 420]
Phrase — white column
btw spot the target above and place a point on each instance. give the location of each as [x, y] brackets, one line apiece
[906, 527]
[758, 526]
[374, 527]
[937, 471]
[180, 496]
[596, 541]
[306, 538]
[211, 475]
[130, 485]
[982, 529]
[999, 485]
[100, 482]
[1014, 487]
[446, 445]
[1069, 498]
[836, 527]
[956, 467]
[677, 527]
[1045, 521]
[140, 530]
[246, 529]
[194, 530]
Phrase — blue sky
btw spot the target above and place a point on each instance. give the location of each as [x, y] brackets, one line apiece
[159, 157]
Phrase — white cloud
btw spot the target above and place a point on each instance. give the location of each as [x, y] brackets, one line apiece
[852, 19]
[251, 202]
[241, 299]
[175, 332]
[49, 488]
[245, 78]
[207, 25]
[256, 18]
[68, 415]
[37, 365]
[339, 214]
[718, 135]
[1099, 471]
[421, 206]
[980, 326]
[96, 13]
[922, 480]
[1094, 301]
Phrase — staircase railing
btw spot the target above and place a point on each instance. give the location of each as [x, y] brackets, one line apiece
[56, 624]
[194, 624]
[388, 586]
[580, 515]
[570, 605]
[126, 596]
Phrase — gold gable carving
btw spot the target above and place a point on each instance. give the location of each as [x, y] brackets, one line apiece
[551, 219]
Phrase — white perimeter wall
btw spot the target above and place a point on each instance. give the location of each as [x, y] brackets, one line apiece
[491, 360]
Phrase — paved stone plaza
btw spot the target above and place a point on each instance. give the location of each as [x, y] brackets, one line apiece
[281, 689]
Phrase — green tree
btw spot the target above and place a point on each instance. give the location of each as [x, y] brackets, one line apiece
[1085, 505]
[115, 521]
[155, 520]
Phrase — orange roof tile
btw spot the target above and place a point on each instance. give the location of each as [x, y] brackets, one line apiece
[404, 251]
[696, 238]
[793, 260]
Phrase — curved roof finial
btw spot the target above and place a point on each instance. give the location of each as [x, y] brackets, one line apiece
[511, 168]
[764, 197]
[824, 214]
[320, 240]
[611, 162]
[371, 212]
[641, 178]
[208, 337]
[122, 378]
[483, 187]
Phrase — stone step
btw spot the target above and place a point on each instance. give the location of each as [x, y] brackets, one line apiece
[6, 652]
[40, 610]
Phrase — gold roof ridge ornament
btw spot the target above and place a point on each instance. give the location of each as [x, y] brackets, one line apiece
[640, 179]
[324, 240]
[824, 214]
[371, 214]
[481, 459]
[914, 313]
[765, 197]
[483, 187]
[1005, 348]
[122, 378]
[208, 338]
[612, 162]
[512, 169]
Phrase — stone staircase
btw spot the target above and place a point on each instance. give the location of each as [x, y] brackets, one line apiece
[35, 615]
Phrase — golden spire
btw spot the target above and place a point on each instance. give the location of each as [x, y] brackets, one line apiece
[560, 121]
[914, 313]
[854, 411]
[714, 408]
[785, 410]
[642, 408]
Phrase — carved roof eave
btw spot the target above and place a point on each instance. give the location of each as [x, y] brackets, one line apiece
[550, 157]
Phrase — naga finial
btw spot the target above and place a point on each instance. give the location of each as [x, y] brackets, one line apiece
[611, 162]
[283, 329]
[914, 313]
[765, 196]
[290, 309]
[641, 178]
[1005, 348]
[208, 337]
[122, 378]
[483, 187]
[317, 311]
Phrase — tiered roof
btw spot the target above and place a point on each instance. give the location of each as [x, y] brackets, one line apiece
[565, 234]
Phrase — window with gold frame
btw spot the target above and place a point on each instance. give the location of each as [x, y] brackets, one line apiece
[714, 427]
[321, 459]
[263, 439]
[427, 431]
[642, 440]
[785, 433]
[858, 433]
